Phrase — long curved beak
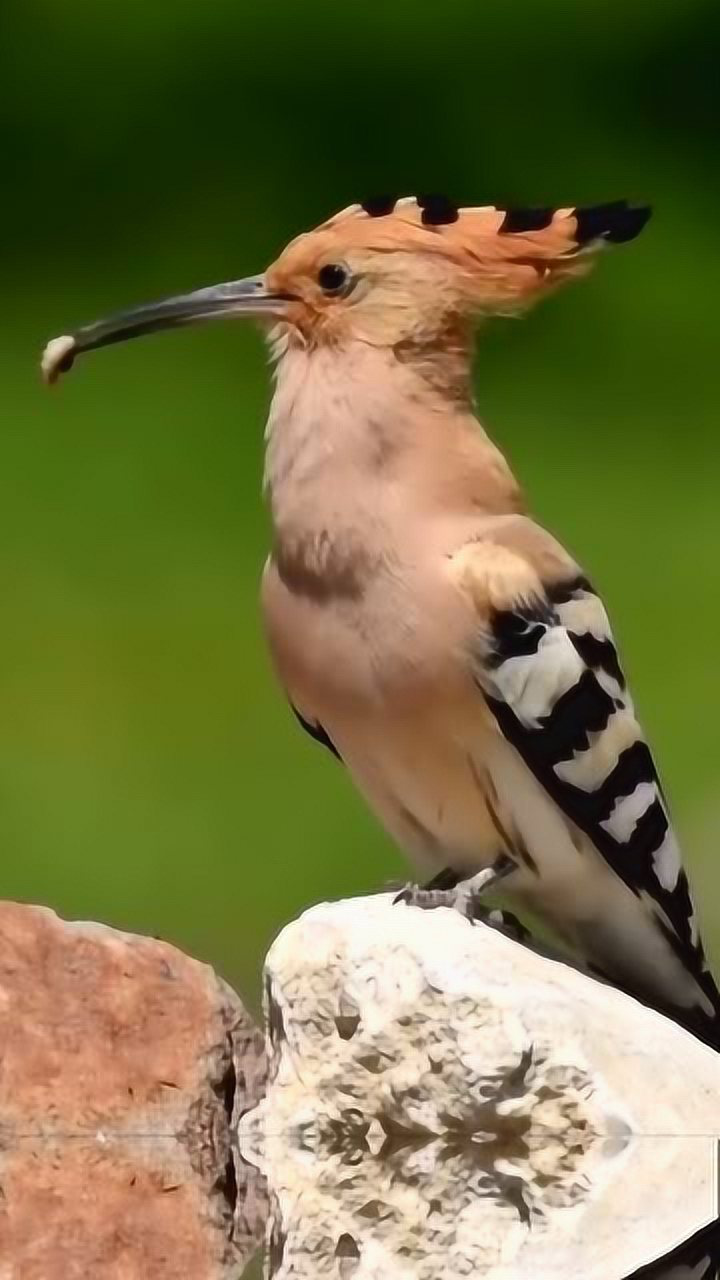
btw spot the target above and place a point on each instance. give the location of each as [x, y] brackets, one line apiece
[248, 297]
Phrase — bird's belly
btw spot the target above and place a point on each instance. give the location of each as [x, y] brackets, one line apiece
[454, 793]
[428, 778]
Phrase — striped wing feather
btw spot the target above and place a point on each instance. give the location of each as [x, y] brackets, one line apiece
[553, 682]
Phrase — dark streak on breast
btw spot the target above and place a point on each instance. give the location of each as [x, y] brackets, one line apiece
[322, 569]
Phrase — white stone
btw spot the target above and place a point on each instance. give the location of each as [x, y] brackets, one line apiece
[446, 1102]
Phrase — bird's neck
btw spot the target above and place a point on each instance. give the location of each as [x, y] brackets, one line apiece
[361, 415]
[357, 438]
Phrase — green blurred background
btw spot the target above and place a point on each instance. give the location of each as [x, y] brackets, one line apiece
[150, 773]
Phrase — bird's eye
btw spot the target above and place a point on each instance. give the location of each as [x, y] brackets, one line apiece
[333, 277]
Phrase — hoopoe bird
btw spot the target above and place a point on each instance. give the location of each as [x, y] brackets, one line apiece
[427, 631]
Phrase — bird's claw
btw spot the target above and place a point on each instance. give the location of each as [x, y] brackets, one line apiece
[458, 899]
[464, 896]
[469, 904]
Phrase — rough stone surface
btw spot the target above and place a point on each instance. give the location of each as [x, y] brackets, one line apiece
[444, 1102]
[122, 1064]
[441, 1102]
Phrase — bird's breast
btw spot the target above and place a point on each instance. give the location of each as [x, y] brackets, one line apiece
[354, 639]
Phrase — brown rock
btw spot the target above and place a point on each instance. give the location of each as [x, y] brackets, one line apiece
[123, 1063]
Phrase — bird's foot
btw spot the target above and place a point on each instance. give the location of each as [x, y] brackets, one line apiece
[430, 899]
[464, 896]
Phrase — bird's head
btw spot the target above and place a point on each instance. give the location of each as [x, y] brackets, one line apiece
[389, 273]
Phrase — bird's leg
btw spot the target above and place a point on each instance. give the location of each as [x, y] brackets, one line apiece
[448, 889]
[495, 917]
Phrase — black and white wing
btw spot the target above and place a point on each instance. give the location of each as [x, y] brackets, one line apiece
[550, 674]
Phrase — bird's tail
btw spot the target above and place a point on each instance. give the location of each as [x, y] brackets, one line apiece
[677, 919]
[702, 1020]
[701, 1017]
